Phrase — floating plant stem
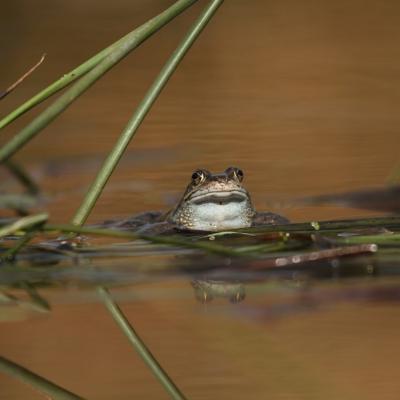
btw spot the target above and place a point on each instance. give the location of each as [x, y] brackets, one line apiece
[139, 345]
[208, 247]
[42, 384]
[122, 48]
[23, 223]
[381, 239]
[325, 226]
[311, 256]
[140, 113]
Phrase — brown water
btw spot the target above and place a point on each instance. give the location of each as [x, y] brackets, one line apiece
[303, 96]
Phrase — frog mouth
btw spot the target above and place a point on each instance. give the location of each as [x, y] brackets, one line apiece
[220, 197]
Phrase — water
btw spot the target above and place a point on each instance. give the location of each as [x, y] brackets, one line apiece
[304, 98]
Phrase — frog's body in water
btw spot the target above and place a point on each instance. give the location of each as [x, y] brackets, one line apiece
[211, 202]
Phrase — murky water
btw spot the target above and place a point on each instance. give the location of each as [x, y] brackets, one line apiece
[303, 97]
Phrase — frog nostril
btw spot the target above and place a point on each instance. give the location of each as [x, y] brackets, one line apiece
[234, 173]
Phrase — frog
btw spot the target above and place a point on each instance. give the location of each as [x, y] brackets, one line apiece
[212, 202]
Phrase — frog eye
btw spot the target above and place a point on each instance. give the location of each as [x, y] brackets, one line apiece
[239, 174]
[199, 176]
[235, 173]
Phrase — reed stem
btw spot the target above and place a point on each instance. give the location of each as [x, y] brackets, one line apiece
[140, 113]
[116, 54]
[163, 240]
[42, 384]
[139, 345]
[106, 171]
[23, 224]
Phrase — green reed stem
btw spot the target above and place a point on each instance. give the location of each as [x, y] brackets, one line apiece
[23, 224]
[105, 173]
[42, 384]
[61, 83]
[163, 240]
[382, 239]
[139, 345]
[121, 49]
[327, 226]
[140, 113]
[56, 86]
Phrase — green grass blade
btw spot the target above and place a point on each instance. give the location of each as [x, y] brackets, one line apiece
[139, 345]
[140, 113]
[121, 50]
[42, 384]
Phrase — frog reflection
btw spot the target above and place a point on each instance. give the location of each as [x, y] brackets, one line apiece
[207, 290]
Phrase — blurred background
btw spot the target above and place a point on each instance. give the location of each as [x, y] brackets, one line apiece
[303, 96]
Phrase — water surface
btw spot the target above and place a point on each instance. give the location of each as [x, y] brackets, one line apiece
[304, 98]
